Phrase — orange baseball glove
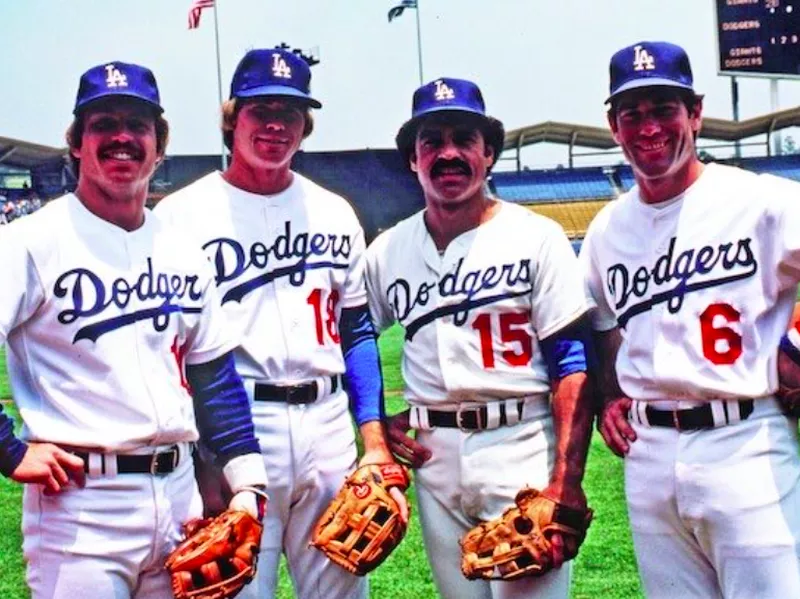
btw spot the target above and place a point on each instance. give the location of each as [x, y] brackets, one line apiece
[362, 525]
[517, 543]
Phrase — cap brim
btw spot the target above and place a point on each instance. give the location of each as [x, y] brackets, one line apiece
[411, 123]
[648, 82]
[117, 94]
[278, 90]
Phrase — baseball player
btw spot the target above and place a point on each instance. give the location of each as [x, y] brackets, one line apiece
[491, 300]
[694, 272]
[289, 258]
[108, 318]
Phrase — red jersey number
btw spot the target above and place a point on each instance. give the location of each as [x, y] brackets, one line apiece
[324, 322]
[721, 344]
[511, 332]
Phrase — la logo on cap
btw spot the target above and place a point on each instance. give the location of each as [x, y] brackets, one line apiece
[443, 91]
[280, 68]
[642, 60]
[114, 77]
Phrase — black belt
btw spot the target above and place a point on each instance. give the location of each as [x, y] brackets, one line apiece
[693, 419]
[474, 419]
[163, 462]
[292, 394]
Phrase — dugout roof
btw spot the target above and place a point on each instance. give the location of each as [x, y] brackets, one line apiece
[27, 155]
[600, 137]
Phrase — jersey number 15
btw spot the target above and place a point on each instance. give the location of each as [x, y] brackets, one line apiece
[511, 331]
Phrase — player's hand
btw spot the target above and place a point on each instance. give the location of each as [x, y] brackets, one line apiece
[406, 449]
[564, 547]
[382, 455]
[252, 500]
[617, 432]
[50, 466]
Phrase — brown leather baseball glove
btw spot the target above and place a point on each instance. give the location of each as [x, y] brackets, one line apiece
[362, 525]
[517, 543]
[217, 558]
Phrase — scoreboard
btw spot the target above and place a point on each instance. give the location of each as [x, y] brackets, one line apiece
[760, 38]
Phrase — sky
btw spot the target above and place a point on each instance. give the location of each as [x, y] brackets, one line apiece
[535, 60]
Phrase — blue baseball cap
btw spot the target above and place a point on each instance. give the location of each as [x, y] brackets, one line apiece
[648, 64]
[273, 72]
[448, 95]
[118, 79]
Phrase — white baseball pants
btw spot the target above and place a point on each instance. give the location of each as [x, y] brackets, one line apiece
[716, 513]
[308, 450]
[111, 538]
[474, 476]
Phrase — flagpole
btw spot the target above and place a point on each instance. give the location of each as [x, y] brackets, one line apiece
[419, 46]
[219, 82]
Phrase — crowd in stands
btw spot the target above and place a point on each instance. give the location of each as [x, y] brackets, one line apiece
[11, 209]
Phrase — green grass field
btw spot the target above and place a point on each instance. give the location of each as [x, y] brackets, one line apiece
[605, 567]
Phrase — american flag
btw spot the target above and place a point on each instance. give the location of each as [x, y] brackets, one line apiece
[197, 8]
[396, 11]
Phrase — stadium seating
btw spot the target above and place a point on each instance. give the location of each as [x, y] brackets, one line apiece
[625, 176]
[553, 185]
[574, 217]
[783, 166]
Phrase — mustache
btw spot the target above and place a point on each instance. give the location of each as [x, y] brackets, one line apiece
[455, 164]
[129, 148]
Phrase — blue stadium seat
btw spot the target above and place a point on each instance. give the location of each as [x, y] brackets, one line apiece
[783, 166]
[553, 185]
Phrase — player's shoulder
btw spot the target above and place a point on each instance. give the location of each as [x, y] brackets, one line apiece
[314, 192]
[173, 239]
[522, 227]
[782, 184]
[402, 234]
[197, 192]
[40, 226]
[616, 213]
[335, 209]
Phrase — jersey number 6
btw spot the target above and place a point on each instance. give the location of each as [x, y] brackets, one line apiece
[510, 332]
[711, 334]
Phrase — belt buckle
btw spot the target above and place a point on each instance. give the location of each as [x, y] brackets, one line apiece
[154, 461]
[459, 420]
[294, 395]
[460, 412]
[675, 420]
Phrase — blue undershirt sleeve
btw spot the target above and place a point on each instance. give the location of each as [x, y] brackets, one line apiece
[221, 407]
[569, 350]
[787, 344]
[12, 450]
[363, 379]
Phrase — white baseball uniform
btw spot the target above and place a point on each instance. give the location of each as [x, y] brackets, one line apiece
[473, 316]
[286, 266]
[702, 287]
[99, 323]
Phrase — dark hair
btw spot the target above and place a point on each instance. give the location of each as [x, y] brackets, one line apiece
[686, 96]
[230, 112]
[74, 137]
[493, 132]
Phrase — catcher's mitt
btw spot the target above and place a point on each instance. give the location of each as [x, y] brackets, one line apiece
[217, 558]
[517, 543]
[362, 525]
